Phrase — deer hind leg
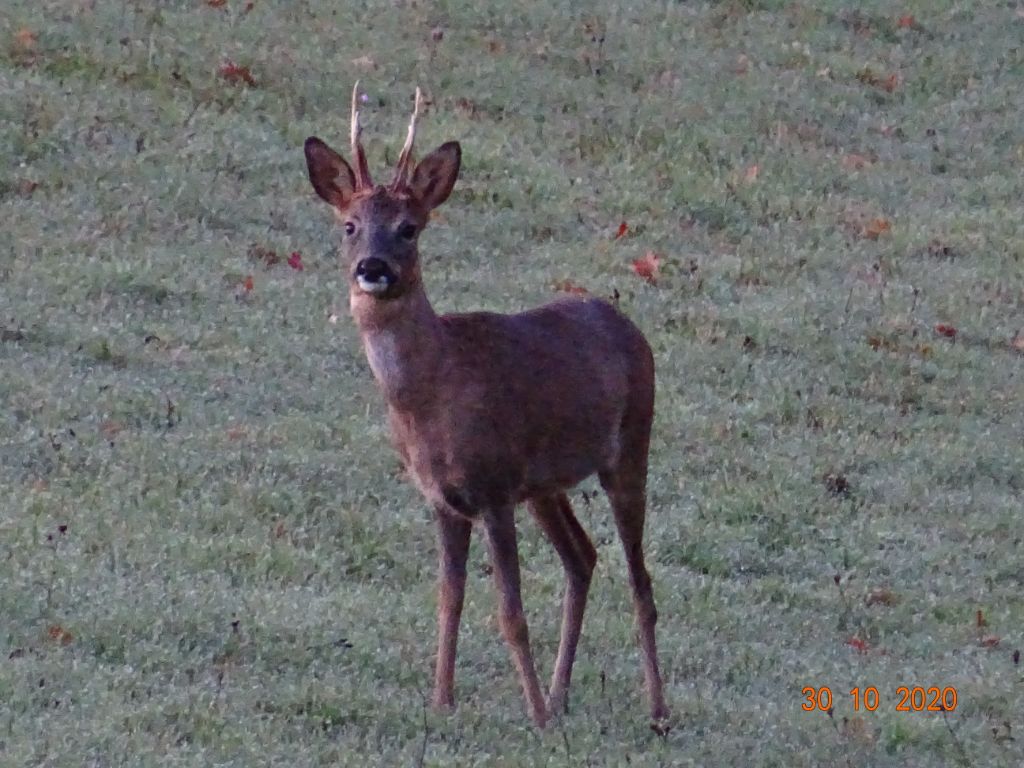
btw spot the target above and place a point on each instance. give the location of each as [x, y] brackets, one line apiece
[500, 526]
[626, 489]
[555, 516]
[453, 534]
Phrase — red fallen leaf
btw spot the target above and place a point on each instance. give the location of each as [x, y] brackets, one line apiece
[887, 84]
[567, 286]
[235, 73]
[1017, 342]
[647, 267]
[750, 174]
[247, 284]
[989, 641]
[622, 231]
[861, 646]
[950, 333]
[61, 635]
[905, 22]
[25, 39]
[236, 433]
[279, 530]
[216, 3]
[295, 261]
[876, 228]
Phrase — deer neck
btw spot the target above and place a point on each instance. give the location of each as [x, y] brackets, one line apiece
[403, 343]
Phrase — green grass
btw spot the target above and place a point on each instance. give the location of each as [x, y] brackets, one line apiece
[245, 580]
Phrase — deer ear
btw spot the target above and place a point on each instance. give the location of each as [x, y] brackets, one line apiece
[434, 177]
[330, 175]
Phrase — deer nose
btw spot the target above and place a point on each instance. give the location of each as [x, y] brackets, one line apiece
[372, 269]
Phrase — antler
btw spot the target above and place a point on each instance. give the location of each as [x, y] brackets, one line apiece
[404, 159]
[358, 154]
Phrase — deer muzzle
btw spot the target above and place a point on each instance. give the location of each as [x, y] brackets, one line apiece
[374, 276]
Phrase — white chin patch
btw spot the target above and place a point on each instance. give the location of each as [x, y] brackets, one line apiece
[375, 288]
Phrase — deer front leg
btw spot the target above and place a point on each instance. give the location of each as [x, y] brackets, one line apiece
[453, 548]
[501, 538]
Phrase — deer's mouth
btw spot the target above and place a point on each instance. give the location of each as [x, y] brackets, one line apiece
[374, 276]
[376, 287]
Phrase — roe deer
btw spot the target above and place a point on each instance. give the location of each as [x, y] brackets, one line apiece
[489, 410]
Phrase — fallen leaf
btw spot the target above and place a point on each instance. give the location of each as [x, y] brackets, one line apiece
[750, 175]
[236, 433]
[235, 73]
[567, 286]
[906, 22]
[364, 62]
[837, 484]
[216, 3]
[295, 261]
[25, 187]
[110, 428]
[465, 107]
[989, 641]
[949, 332]
[622, 231]
[250, 4]
[861, 646]
[940, 250]
[647, 267]
[1017, 342]
[742, 65]
[889, 83]
[24, 48]
[25, 39]
[881, 596]
[279, 530]
[247, 284]
[979, 619]
[880, 342]
[262, 254]
[59, 634]
[855, 162]
[876, 228]
[857, 728]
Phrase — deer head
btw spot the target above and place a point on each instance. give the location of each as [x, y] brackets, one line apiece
[382, 224]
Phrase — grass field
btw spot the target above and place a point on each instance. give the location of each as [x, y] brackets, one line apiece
[208, 555]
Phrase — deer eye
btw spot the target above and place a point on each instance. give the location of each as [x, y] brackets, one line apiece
[407, 231]
[350, 228]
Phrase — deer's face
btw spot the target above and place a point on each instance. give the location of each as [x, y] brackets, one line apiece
[381, 225]
[380, 231]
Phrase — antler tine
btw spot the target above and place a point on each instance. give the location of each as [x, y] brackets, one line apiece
[402, 171]
[358, 154]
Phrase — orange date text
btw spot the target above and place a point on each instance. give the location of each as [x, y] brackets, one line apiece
[907, 699]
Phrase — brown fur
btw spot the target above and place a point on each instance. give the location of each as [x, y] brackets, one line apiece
[490, 410]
